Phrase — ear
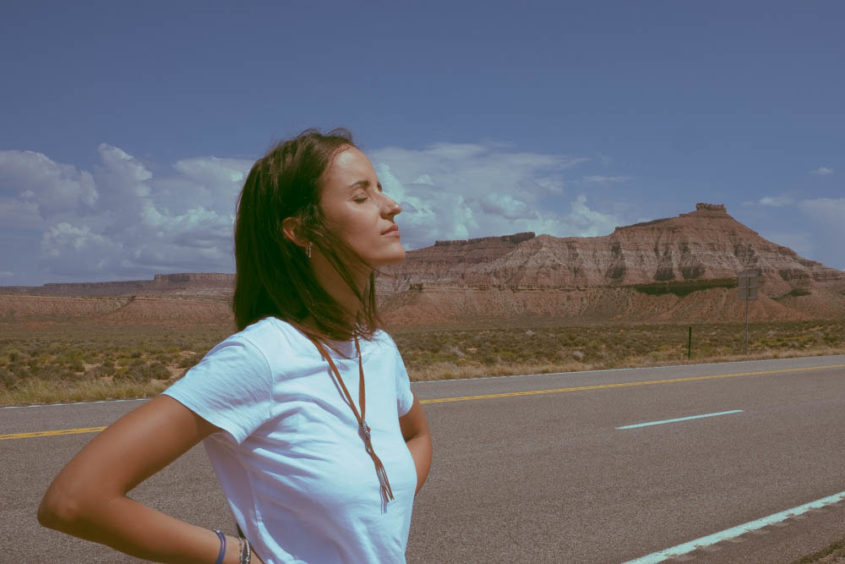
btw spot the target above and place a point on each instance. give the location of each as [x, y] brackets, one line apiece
[290, 227]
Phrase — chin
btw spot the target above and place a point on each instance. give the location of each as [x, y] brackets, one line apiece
[392, 258]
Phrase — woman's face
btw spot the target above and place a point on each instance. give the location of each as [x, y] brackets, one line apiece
[357, 210]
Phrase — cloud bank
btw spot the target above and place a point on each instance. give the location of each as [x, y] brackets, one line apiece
[120, 220]
[459, 191]
[129, 219]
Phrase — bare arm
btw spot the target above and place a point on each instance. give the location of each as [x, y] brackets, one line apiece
[418, 438]
[88, 498]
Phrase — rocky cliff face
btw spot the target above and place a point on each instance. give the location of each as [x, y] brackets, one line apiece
[704, 245]
[622, 275]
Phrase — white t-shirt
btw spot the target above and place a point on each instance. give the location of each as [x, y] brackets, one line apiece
[291, 461]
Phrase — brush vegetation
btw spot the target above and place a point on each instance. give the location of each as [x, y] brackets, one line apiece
[64, 363]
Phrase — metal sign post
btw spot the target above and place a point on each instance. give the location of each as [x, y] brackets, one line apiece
[747, 284]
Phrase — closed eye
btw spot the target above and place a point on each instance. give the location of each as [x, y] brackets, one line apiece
[362, 189]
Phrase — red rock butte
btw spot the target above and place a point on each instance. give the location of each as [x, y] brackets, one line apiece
[676, 269]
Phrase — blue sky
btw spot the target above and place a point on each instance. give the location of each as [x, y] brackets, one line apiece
[126, 128]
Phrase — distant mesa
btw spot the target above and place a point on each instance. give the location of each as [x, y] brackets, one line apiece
[678, 269]
[515, 238]
[187, 283]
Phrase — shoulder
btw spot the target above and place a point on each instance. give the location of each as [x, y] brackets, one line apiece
[381, 340]
[262, 344]
[381, 345]
[268, 335]
[381, 336]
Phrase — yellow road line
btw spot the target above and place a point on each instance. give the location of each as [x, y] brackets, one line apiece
[623, 385]
[52, 433]
[493, 396]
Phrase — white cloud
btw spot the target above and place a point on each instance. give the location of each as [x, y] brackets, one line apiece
[424, 179]
[776, 201]
[458, 191]
[20, 213]
[822, 171]
[64, 236]
[507, 207]
[213, 171]
[122, 220]
[582, 221]
[54, 189]
[607, 179]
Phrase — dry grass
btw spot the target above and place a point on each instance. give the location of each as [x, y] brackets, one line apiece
[84, 363]
[65, 364]
[456, 353]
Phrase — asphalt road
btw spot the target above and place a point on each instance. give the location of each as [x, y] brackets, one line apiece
[536, 468]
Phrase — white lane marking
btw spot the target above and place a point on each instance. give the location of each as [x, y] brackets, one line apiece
[70, 403]
[734, 532]
[650, 423]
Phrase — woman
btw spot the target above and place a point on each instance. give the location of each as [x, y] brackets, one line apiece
[306, 413]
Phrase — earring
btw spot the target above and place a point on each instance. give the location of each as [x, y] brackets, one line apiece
[308, 249]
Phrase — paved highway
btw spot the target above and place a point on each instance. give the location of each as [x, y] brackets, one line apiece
[604, 466]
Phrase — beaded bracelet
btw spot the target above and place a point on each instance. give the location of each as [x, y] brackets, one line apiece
[246, 553]
[222, 552]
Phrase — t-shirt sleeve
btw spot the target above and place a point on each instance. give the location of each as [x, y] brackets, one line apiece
[404, 395]
[231, 388]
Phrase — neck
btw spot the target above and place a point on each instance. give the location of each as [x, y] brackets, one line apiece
[337, 287]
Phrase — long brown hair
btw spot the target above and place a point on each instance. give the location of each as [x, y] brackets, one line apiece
[273, 276]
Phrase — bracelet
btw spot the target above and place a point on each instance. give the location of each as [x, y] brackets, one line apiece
[222, 552]
[246, 553]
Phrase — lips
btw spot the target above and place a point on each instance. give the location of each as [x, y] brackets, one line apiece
[390, 230]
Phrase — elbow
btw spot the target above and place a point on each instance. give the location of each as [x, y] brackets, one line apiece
[59, 511]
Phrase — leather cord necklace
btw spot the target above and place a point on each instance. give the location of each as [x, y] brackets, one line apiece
[384, 483]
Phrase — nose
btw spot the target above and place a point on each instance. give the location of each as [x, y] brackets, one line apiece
[390, 207]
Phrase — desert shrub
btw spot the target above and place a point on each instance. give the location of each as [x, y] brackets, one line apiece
[8, 379]
[136, 371]
[190, 360]
[139, 371]
[161, 357]
[158, 371]
[65, 374]
[19, 370]
[104, 369]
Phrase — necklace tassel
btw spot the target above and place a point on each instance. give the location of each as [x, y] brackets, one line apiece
[386, 491]
[364, 429]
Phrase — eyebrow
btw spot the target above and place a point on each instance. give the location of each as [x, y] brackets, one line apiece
[364, 184]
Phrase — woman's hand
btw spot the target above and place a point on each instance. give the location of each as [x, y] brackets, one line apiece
[88, 497]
